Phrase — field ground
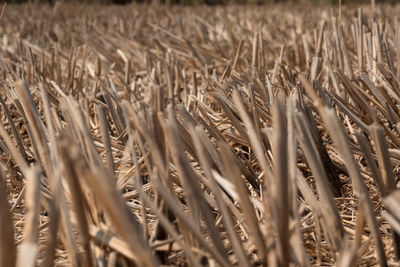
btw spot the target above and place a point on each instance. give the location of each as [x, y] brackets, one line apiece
[199, 136]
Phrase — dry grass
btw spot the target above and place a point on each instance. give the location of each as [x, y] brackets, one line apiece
[145, 135]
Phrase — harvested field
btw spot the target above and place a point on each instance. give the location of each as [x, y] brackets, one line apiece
[148, 135]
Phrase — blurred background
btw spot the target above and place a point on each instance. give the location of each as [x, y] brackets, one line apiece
[211, 2]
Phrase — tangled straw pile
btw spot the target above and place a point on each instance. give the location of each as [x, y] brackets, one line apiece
[145, 135]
